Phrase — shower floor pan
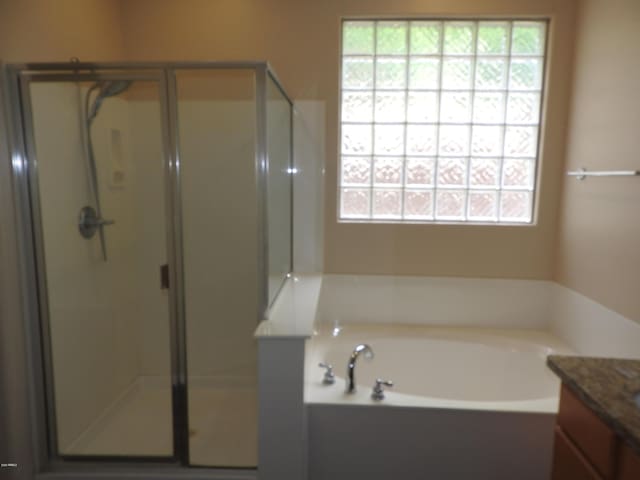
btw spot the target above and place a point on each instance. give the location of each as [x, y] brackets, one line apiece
[223, 425]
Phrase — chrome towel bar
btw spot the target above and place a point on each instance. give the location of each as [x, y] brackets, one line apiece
[584, 173]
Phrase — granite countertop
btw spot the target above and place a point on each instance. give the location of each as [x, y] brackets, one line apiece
[607, 386]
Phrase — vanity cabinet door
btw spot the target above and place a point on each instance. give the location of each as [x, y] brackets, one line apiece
[568, 461]
[590, 434]
[628, 464]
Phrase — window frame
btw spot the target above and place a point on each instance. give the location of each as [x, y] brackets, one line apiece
[499, 188]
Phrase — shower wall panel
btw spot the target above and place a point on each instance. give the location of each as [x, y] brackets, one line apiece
[220, 230]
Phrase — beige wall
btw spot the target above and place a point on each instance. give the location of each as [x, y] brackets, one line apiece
[45, 30]
[301, 40]
[599, 235]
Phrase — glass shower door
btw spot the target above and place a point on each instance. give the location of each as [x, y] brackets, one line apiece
[98, 173]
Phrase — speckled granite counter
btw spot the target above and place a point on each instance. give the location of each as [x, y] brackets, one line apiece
[607, 386]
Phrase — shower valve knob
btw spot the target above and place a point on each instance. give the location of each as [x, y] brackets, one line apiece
[89, 221]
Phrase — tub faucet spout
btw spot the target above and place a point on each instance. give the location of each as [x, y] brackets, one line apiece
[351, 366]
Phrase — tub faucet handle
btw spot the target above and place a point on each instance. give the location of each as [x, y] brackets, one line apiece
[378, 390]
[329, 377]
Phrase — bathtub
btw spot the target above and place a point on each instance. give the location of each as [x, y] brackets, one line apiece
[471, 368]
[467, 403]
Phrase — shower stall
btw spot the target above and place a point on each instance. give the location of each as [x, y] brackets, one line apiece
[154, 206]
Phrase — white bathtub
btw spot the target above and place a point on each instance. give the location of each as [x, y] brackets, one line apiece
[471, 368]
[482, 395]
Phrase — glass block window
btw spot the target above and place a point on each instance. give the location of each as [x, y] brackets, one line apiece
[440, 120]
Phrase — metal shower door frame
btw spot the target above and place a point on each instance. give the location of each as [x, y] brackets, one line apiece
[31, 237]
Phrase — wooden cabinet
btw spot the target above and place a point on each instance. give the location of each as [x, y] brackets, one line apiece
[629, 466]
[569, 462]
[585, 448]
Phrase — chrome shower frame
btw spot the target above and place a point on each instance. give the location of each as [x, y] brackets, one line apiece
[33, 288]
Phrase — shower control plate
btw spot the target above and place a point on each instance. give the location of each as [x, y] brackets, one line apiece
[89, 222]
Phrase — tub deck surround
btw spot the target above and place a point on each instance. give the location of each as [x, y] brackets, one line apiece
[588, 327]
[293, 313]
[607, 386]
[513, 323]
[281, 355]
[438, 367]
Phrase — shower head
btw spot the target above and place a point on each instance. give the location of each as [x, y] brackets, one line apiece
[106, 89]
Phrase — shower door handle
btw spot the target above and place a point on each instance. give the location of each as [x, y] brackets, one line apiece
[164, 276]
